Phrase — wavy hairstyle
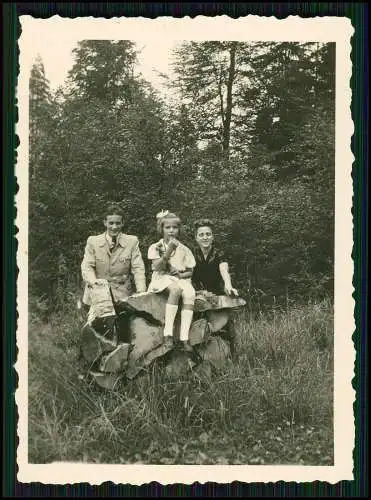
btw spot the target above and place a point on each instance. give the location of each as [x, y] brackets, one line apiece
[113, 209]
[203, 223]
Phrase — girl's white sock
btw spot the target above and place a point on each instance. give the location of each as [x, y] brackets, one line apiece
[170, 313]
[185, 323]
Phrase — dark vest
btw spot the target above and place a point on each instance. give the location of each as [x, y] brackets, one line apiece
[206, 274]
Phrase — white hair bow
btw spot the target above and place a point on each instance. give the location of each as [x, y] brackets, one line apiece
[162, 214]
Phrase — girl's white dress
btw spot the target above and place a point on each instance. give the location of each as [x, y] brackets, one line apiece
[181, 259]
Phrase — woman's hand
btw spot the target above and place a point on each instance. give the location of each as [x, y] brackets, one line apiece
[231, 292]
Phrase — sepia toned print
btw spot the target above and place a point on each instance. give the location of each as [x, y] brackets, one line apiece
[248, 134]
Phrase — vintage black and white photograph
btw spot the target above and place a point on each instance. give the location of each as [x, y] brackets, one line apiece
[180, 206]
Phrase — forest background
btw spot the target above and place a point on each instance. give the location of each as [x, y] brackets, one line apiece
[246, 138]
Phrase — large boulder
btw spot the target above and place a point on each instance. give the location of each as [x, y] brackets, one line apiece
[93, 345]
[199, 331]
[145, 337]
[216, 352]
[153, 304]
[217, 319]
[116, 361]
[209, 302]
[127, 342]
[147, 305]
[179, 364]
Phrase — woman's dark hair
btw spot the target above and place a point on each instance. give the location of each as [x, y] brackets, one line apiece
[113, 209]
[202, 223]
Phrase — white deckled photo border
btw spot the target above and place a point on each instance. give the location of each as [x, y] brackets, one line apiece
[57, 30]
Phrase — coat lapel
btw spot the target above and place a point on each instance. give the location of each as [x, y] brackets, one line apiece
[122, 240]
[119, 250]
[103, 243]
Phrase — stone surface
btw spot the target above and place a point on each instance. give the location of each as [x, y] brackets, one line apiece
[133, 369]
[179, 364]
[136, 366]
[206, 302]
[145, 338]
[216, 352]
[199, 331]
[203, 369]
[106, 327]
[94, 345]
[126, 344]
[155, 353]
[153, 304]
[117, 360]
[217, 319]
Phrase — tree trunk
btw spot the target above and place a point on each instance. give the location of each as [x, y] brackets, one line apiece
[229, 106]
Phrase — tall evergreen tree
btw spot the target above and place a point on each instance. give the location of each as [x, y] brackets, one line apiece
[40, 113]
[206, 76]
[39, 90]
[104, 70]
[283, 91]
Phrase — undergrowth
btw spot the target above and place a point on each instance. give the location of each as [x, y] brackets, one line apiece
[274, 406]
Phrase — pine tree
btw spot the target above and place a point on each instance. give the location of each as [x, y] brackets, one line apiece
[206, 76]
[40, 113]
[285, 88]
[104, 70]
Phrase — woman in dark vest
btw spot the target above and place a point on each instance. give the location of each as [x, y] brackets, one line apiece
[211, 272]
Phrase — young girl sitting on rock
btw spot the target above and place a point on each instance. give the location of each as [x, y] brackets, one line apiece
[172, 266]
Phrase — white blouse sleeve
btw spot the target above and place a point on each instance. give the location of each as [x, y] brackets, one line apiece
[153, 252]
[190, 261]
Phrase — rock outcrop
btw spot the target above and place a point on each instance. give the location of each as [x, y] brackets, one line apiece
[124, 343]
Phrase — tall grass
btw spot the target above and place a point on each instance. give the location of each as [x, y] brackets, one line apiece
[273, 406]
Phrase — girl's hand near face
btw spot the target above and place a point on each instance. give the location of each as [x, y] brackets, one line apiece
[173, 243]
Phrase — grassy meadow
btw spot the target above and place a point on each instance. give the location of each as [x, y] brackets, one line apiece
[274, 406]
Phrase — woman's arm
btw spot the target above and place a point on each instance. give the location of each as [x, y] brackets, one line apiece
[224, 271]
[185, 274]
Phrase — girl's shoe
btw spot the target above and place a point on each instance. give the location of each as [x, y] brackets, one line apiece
[168, 341]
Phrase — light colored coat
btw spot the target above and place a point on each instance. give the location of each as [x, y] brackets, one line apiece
[117, 267]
